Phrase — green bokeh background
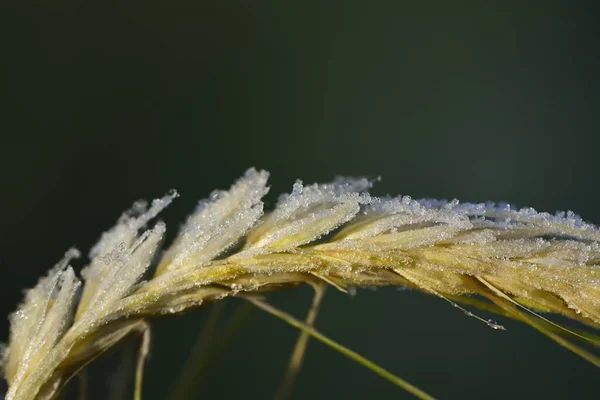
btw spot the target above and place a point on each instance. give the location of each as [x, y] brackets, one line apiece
[105, 102]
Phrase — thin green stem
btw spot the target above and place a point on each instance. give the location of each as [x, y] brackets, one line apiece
[344, 350]
[82, 392]
[295, 364]
[142, 355]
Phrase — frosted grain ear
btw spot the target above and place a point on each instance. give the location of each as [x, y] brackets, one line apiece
[545, 263]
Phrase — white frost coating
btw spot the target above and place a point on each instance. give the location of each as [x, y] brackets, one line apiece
[309, 213]
[41, 321]
[125, 231]
[505, 215]
[108, 255]
[60, 314]
[218, 223]
[390, 215]
[121, 275]
[305, 198]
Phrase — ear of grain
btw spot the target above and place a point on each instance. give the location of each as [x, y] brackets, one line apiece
[515, 258]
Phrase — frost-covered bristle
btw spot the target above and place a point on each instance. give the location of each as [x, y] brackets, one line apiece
[128, 225]
[308, 213]
[390, 215]
[115, 264]
[507, 215]
[218, 223]
[304, 198]
[41, 320]
[121, 275]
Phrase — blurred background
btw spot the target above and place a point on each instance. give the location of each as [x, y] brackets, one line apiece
[106, 102]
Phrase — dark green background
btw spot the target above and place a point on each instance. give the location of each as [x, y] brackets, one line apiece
[105, 102]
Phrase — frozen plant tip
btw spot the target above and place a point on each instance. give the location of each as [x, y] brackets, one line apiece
[519, 262]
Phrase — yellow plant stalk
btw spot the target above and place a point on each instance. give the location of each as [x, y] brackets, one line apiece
[333, 233]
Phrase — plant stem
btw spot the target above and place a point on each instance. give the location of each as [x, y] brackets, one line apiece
[297, 357]
[344, 350]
